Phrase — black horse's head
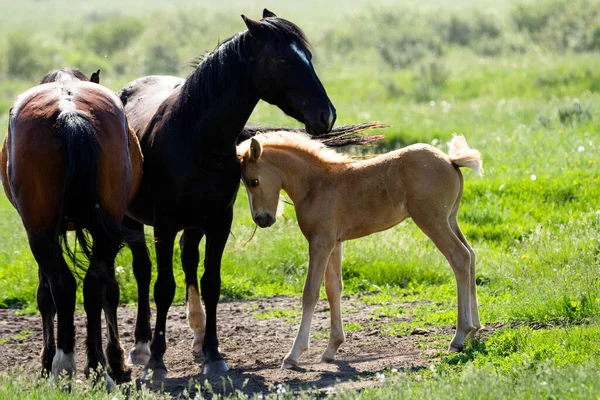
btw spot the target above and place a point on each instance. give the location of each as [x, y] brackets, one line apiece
[283, 74]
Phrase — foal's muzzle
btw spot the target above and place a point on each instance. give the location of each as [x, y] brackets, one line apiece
[264, 220]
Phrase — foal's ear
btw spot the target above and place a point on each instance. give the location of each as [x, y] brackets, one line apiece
[95, 77]
[255, 149]
[256, 28]
[268, 14]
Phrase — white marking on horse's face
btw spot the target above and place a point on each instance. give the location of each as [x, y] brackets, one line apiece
[300, 53]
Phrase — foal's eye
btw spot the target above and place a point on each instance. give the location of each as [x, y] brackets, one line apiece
[254, 183]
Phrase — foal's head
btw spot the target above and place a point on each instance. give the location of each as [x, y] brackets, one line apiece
[70, 74]
[283, 74]
[262, 183]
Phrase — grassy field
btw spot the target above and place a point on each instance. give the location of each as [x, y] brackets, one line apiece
[533, 219]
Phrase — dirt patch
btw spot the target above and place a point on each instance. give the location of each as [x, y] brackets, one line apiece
[254, 343]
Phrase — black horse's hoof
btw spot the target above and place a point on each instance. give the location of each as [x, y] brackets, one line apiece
[215, 367]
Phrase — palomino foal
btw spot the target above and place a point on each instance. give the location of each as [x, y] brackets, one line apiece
[338, 199]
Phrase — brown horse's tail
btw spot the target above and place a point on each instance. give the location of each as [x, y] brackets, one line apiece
[462, 155]
[80, 150]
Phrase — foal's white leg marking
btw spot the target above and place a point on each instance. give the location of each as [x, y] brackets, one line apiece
[140, 355]
[63, 362]
[300, 53]
[196, 318]
[333, 287]
[319, 253]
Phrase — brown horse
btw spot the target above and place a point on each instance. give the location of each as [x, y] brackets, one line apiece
[70, 161]
[337, 199]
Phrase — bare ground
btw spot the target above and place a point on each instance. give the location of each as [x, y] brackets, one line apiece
[253, 344]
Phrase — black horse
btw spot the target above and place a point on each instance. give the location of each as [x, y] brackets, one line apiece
[188, 134]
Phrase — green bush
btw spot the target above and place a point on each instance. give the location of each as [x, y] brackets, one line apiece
[111, 35]
[561, 25]
[25, 58]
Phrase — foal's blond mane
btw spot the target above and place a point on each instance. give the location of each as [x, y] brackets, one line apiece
[299, 141]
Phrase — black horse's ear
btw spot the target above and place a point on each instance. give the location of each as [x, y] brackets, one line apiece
[268, 14]
[256, 28]
[95, 77]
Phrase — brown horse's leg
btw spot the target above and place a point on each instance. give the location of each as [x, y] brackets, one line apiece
[333, 287]
[190, 257]
[436, 225]
[142, 270]
[48, 254]
[319, 252]
[92, 303]
[114, 351]
[164, 291]
[48, 311]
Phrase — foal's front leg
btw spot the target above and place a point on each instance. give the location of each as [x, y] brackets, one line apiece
[333, 287]
[319, 252]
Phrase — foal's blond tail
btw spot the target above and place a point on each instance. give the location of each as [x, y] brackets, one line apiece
[463, 156]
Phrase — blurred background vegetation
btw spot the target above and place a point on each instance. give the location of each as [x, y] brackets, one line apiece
[128, 39]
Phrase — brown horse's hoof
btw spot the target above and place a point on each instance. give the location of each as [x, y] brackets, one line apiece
[155, 375]
[215, 367]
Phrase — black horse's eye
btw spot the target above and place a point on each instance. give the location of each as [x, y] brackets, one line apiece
[254, 183]
[281, 62]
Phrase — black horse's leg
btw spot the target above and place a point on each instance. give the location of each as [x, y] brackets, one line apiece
[48, 311]
[114, 351]
[47, 252]
[164, 291]
[142, 270]
[190, 257]
[216, 238]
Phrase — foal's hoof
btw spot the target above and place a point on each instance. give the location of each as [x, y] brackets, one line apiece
[155, 375]
[140, 354]
[455, 348]
[289, 364]
[327, 358]
[215, 367]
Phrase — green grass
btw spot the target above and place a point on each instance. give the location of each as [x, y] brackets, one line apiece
[533, 219]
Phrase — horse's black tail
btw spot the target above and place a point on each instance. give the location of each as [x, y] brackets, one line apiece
[344, 135]
[80, 206]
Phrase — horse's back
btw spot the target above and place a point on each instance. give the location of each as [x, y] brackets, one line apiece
[32, 157]
[143, 96]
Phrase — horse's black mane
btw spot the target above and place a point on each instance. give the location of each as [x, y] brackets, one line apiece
[55, 75]
[214, 69]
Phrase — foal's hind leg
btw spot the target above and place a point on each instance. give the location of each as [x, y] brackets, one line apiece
[48, 311]
[190, 257]
[436, 225]
[333, 287]
[48, 254]
[472, 281]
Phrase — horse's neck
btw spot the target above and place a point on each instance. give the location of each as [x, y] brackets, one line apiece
[299, 172]
[214, 123]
